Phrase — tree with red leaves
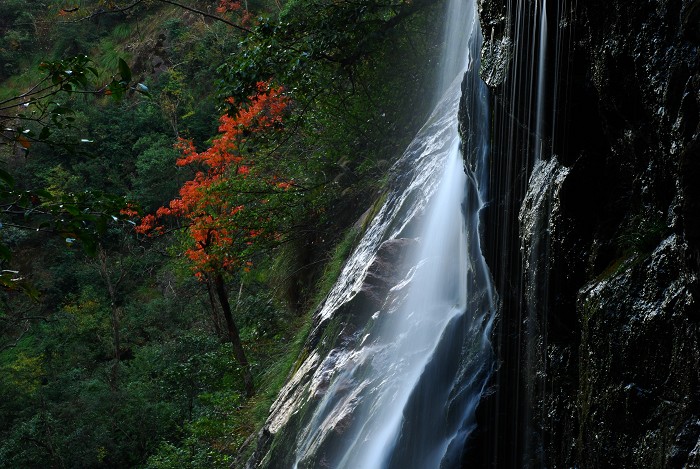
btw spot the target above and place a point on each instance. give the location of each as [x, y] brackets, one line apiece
[227, 207]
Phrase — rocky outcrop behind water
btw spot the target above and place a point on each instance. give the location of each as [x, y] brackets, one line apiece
[600, 349]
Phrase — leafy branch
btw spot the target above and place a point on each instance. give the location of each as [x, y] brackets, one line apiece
[45, 105]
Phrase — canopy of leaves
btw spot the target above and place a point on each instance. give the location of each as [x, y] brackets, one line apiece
[237, 199]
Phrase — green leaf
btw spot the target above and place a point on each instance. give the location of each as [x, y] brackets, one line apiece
[6, 178]
[101, 225]
[72, 209]
[45, 133]
[59, 109]
[124, 71]
[9, 281]
[5, 253]
[116, 90]
[143, 89]
[44, 194]
[89, 244]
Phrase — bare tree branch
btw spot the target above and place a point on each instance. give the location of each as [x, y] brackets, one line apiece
[208, 15]
[169, 2]
[102, 12]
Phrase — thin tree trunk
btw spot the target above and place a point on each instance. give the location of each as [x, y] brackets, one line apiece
[233, 334]
[116, 310]
[111, 291]
[214, 311]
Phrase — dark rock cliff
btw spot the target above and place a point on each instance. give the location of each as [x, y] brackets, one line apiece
[595, 250]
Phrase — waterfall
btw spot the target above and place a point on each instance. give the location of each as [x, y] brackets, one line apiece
[401, 353]
[401, 390]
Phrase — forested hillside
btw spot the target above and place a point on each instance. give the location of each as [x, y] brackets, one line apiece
[180, 183]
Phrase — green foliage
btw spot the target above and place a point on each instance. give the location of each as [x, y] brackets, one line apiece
[226, 420]
[156, 179]
[17, 19]
[335, 264]
[347, 67]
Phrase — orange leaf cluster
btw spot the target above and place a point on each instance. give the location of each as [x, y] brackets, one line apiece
[129, 211]
[212, 220]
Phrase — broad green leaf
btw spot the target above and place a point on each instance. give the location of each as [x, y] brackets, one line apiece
[5, 253]
[44, 193]
[124, 71]
[6, 177]
[72, 209]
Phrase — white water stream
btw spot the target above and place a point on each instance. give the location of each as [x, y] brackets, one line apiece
[404, 396]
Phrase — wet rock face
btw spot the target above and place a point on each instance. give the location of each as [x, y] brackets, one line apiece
[639, 379]
[638, 392]
[382, 275]
[329, 350]
[612, 355]
[385, 271]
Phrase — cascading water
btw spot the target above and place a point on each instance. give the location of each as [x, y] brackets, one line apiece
[401, 390]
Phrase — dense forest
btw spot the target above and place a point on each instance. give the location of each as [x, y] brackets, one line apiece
[180, 183]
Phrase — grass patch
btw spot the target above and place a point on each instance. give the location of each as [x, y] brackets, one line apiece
[374, 210]
[121, 32]
[108, 62]
[28, 76]
[281, 360]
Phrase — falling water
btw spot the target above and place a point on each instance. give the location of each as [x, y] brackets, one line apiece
[537, 216]
[528, 179]
[541, 13]
[404, 395]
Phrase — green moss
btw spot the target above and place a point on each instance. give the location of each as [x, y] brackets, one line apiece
[615, 267]
[378, 204]
[335, 264]
[589, 308]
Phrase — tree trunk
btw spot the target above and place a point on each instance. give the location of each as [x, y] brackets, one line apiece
[233, 334]
[214, 312]
[116, 310]
[111, 291]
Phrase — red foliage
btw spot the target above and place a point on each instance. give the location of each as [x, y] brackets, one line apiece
[234, 6]
[213, 221]
[228, 5]
[129, 211]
